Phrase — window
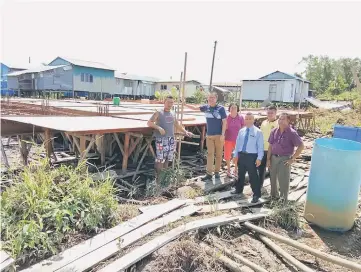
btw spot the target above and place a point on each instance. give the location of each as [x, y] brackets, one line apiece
[85, 77]
[163, 87]
[127, 83]
[118, 81]
[291, 90]
[177, 86]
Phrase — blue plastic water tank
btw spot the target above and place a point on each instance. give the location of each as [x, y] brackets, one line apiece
[334, 184]
[349, 133]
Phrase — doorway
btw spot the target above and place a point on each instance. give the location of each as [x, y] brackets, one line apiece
[272, 92]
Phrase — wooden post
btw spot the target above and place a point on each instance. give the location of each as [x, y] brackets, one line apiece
[3, 154]
[82, 145]
[48, 143]
[203, 137]
[126, 153]
[102, 150]
[214, 54]
[24, 150]
[182, 106]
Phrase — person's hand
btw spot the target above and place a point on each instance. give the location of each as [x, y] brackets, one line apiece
[161, 131]
[290, 161]
[189, 134]
[258, 163]
[222, 138]
[268, 164]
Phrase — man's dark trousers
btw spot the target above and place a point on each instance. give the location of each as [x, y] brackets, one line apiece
[247, 163]
[262, 169]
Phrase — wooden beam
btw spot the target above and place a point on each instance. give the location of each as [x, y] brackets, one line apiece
[119, 143]
[324, 256]
[86, 151]
[240, 258]
[77, 145]
[140, 252]
[203, 137]
[48, 143]
[24, 151]
[112, 248]
[133, 146]
[227, 262]
[126, 153]
[141, 160]
[73, 255]
[285, 255]
[3, 155]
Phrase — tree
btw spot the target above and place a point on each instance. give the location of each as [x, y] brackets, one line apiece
[330, 75]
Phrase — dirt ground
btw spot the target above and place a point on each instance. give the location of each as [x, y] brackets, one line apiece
[346, 245]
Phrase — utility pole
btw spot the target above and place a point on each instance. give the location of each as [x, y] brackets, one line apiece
[214, 54]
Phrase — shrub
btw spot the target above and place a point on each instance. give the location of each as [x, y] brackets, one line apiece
[45, 204]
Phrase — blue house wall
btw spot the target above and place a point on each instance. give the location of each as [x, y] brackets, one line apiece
[103, 81]
[4, 80]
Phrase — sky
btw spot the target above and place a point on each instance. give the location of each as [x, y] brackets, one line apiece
[151, 38]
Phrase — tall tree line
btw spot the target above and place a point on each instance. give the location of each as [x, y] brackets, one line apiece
[333, 76]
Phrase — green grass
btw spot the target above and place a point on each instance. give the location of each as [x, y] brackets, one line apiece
[326, 119]
[285, 214]
[45, 205]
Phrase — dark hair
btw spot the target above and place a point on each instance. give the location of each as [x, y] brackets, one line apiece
[272, 107]
[169, 97]
[233, 104]
[287, 115]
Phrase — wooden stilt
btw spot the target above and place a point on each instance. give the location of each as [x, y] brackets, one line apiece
[203, 137]
[119, 143]
[102, 150]
[24, 150]
[132, 147]
[149, 142]
[3, 154]
[126, 153]
[48, 143]
[85, 150]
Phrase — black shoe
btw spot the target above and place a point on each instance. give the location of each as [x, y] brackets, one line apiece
[255, 199]
[207, 177]
[216, 175]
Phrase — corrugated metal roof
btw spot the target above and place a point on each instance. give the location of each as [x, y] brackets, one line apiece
[35, 70]
[85, 63]
[135, 77]
[177, 81]
[227, 84]
[287, 74]
[223, 90]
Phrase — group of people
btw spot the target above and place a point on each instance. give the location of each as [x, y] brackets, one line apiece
[250, 148]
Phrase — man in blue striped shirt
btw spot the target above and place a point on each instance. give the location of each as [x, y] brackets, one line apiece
[249, 151]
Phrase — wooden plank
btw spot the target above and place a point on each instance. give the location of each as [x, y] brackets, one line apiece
[3, 256]
[198, 200]
[209, 198]
[303, 183]
[294, 183]
[148, 248]
[109, 250]
[7, 265]
[230, 205]
[294, 196]
[72, 254]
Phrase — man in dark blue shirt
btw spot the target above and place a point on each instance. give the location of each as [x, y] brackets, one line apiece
[216, 128]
